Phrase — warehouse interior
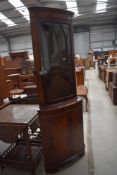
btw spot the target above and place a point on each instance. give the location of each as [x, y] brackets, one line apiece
[68, 132]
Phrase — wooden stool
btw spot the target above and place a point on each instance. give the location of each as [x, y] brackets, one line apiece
[83, 91]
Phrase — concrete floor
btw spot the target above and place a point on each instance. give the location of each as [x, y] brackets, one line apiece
[100, 128]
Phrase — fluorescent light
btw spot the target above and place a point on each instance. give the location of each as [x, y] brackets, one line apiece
[6, 20]
[21, 8]
[16, 3]
[24, 12]
[72, 6]
[101, 6]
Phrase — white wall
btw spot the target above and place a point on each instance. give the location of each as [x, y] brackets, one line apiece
[99, 38]
[102, 37]
[81, 44]
[4, 49]
[17, 44]
[21, 43]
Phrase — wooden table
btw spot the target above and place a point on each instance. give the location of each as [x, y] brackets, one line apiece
[15, 121]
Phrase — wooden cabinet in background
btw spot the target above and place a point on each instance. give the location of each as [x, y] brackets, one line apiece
[113, 93]
[26, 80]
[19, 55]
[109, 76]
[4, 90]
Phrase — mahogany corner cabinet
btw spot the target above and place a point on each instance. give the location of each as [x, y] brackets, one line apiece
[60, 114]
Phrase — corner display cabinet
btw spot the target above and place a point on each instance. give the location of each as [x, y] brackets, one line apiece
[60, 114]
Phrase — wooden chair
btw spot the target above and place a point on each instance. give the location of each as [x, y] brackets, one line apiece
[83, 92]
[6, 90]
[27, 82]
[79, 72]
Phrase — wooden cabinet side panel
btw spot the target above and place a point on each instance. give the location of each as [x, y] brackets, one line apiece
[62, 135]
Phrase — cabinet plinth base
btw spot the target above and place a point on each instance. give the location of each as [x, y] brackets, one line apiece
[66, 163]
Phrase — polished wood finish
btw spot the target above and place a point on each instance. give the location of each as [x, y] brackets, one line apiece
[14, 121]
[53, 53]
[83, 92]
[19, 55]
[109, 77]
[26, 80]
[79, 71]
[60, 114]
[62, 133]
[9, 71]
[114, 78]
[4, 90]
[103, 73]
[14, 79]
[113, 93]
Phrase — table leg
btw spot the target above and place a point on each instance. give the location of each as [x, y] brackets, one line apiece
[29, 151]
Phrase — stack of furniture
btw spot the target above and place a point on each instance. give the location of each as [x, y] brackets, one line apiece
[19, 72]
[4, 90]
[113, 88]
[27, 82]
[6, 87]
[19, 131]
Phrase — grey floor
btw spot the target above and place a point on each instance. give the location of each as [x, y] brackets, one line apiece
[100, 135]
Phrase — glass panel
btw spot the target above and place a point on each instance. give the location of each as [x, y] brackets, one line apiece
[56, 59]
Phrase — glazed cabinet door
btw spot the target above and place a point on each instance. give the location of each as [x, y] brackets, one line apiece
[57, 60]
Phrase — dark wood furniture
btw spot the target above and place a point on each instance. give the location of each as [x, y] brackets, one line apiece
[114, 78]
[19, 55]
[109, 76]
[28, 83]
[9, 71]
[83, 92]
[53, 53]
[60, 113]
[15, 121]
[62, 133]
[26, 80]
[113, 93]
[4, 90]
[102, 72]
[79, 71]
[14, 79]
